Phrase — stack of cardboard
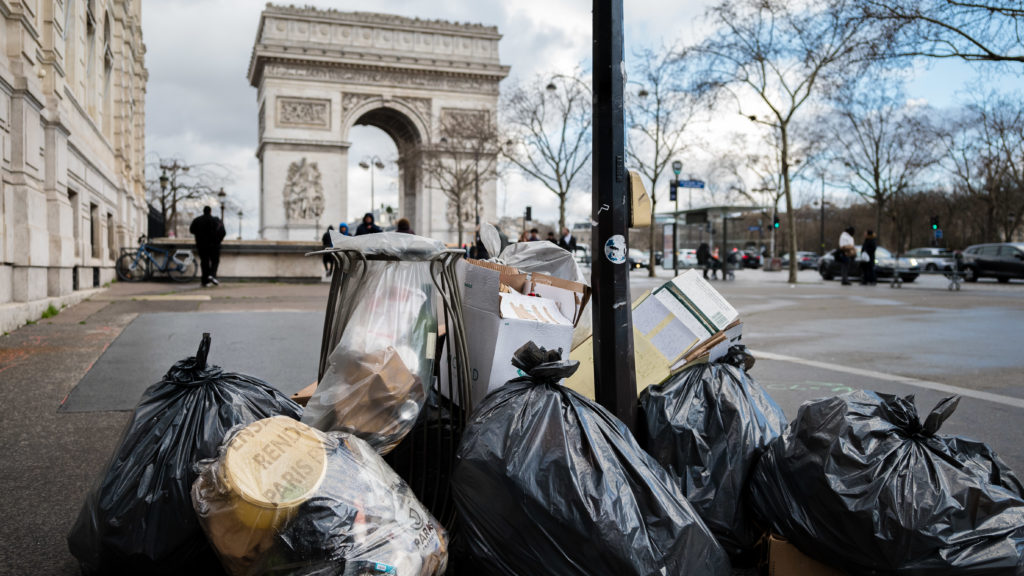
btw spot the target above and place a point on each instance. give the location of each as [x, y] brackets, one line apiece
[682, 322]
[504, 308]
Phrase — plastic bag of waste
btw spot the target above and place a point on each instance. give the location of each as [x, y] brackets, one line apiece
[285, 498]
[707, 425]
[139, 519]
[381, 363]
[858, 482]
[548, 482]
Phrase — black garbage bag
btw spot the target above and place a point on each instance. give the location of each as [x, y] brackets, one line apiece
[139, 519]
[547, 482]
[707, 425]
[858, 482]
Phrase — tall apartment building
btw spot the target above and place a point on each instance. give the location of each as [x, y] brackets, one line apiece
[72, 146]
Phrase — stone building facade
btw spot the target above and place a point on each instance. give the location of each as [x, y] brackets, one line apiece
[318, 73]
[72, 126]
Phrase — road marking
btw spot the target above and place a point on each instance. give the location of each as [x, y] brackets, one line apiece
[937, 386]
[174, 297]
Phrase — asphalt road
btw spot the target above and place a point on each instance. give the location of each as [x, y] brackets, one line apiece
[813, 339]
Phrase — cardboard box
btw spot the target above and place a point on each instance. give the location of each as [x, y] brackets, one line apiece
[496, 327]
[681, 321]
[785, 560]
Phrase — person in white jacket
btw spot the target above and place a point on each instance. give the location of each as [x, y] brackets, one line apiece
[847, 253]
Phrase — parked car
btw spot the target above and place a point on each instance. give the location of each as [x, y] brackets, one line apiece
[933, 259]
[804, 260]
[751, 259]
[885, 263]
[688, 257]
[1000, 261]
[637, 262]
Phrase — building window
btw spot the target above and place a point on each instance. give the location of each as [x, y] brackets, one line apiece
[111, 237]
[94, 231]
[90, 65]
[76, 223]
[70, 44]
[108, 68]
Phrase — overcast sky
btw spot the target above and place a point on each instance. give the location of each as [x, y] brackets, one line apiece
[200, 107]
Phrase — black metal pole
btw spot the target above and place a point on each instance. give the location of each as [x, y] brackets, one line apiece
[614, 375]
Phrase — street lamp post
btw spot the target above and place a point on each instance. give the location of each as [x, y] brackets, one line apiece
[369, 163]
[222, 196]
[677, 168]
[822, 251]
[239, 224]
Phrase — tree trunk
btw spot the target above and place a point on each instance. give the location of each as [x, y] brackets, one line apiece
[878, 217]
[561, 211]
[790, 216]
[651, 230]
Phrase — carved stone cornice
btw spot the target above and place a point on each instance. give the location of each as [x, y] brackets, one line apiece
[376, 19]
[383, 77]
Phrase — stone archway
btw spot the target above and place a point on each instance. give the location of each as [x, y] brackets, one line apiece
[318, 73]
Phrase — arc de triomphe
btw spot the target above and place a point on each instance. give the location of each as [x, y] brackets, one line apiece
[318, 73]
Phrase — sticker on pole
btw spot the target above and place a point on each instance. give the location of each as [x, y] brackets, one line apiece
[615, 249]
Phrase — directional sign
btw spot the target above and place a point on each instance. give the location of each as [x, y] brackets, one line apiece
[754, 228]
[691, 183]
[938, 234]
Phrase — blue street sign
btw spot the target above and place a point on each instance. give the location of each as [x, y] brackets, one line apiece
[938, 234]
[754, 228]
[691, 183]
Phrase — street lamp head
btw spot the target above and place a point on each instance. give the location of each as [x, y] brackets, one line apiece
[379, 165]
[677, 167]
[364, 164]
[551, 86]
[164, 180]
[222, 194]
[642, 92]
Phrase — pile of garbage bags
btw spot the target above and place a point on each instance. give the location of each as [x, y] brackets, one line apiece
[859, 482]
[139, 518]
[707, 425]
[548, 482]
[284, 498]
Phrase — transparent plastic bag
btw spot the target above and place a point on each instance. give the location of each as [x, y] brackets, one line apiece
[378, 374]
[284, 498]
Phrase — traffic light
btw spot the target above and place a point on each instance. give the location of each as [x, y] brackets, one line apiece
[673, 189]
[529, 214]
[775, 221]
[935, 222]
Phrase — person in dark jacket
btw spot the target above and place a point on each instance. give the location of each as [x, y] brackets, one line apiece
[367, 226]
[209, 232]
[326, 242]
[404, 226]
[567, 241]
[704, 258]
[868, 247]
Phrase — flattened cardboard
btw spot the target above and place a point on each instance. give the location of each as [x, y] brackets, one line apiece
[784, 559]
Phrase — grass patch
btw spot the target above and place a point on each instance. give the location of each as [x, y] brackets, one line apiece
[30, 322]
[81, 321]
[50, 312]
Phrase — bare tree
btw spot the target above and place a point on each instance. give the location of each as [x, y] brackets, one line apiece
[657, 117]
[172, 183]
[975, 31]
[984, 152]
[464, 159]
[880, 142]
[783, 55]
[548, 134]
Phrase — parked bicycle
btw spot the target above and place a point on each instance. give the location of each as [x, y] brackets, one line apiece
[138, 265]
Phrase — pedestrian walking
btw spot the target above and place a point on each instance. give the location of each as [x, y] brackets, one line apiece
[343, 229]
[534, 235]
[846, 253]
[567, 241]
[867, 250]
[403, 226]
[326, 242]
[209, 233]
[367, 226]
[551, 238]
[704, 258]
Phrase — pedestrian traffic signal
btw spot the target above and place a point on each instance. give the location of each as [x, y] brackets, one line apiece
[935, 222]
[775, 221]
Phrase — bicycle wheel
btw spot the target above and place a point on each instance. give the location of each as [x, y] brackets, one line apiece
[131, 268]
[182, 271]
